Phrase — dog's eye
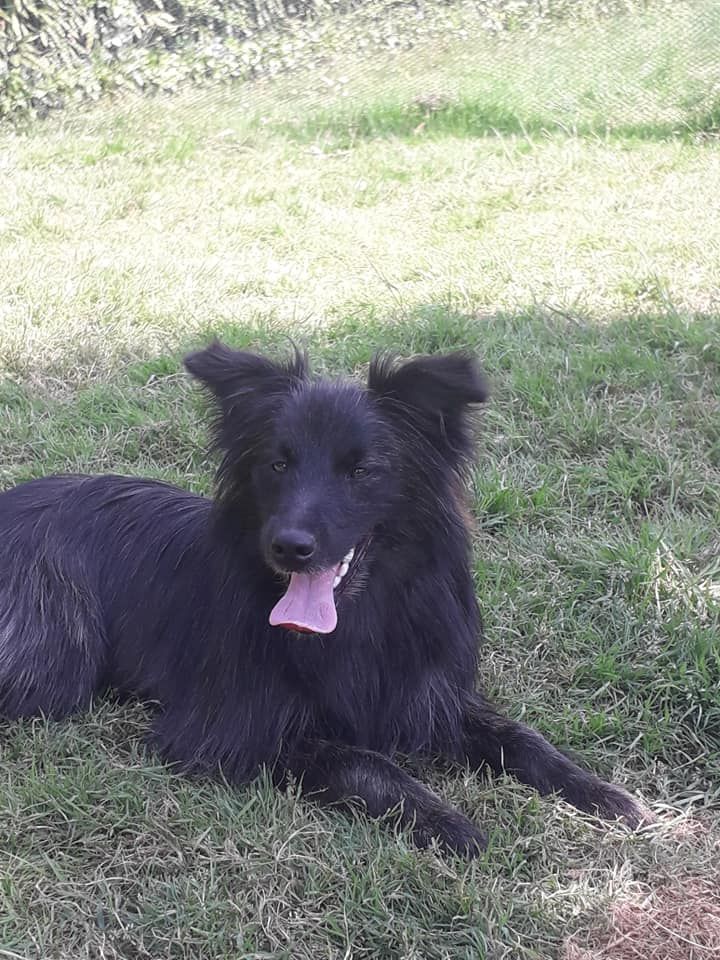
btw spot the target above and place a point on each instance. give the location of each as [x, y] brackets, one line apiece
[358, 472]
[280, 466]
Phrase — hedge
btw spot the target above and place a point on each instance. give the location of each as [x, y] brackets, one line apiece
[57, 52]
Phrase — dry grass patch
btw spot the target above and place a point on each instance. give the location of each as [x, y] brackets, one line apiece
[679, 920]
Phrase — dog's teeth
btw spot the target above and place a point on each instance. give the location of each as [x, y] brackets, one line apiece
[349, 555]
[344, 567]
[336, 581]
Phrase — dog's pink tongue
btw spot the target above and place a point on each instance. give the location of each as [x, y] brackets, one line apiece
[308, 604]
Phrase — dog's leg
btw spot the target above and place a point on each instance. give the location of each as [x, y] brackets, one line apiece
[52, 642]
[338, 774]
[505, 745]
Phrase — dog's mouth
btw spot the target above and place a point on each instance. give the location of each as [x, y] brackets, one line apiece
[308, 605]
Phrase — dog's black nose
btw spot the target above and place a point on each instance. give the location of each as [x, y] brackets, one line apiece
[293, 545]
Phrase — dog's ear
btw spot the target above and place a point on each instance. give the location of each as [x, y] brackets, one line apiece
[438, 384]
[231, 375]
[433, 393]
[246, 386]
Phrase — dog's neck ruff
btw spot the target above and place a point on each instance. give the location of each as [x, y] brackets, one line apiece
[308, 605]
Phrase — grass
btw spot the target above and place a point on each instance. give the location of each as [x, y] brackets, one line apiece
[579, 255]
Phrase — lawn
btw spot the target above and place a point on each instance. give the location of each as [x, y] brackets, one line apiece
[546, 198]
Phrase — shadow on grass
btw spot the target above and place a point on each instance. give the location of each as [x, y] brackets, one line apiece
[349, 341]
[540, 364]
[613, 421]
[476, 118]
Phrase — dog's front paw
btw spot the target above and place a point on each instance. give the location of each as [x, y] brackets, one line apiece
[606, 800]
[453, 832]
[613, 803]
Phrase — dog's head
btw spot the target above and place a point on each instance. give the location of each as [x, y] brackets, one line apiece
[319, 466]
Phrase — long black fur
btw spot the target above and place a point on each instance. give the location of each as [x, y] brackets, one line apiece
[116, 582]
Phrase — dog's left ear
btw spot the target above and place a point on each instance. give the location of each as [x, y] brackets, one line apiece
[442, 384]
[436, 392]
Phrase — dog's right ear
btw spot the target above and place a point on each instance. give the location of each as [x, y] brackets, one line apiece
[246, 386]
[234, 375]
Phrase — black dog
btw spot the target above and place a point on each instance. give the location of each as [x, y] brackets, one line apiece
[317, 616]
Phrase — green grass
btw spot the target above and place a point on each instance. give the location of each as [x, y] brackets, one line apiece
[567, 232]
